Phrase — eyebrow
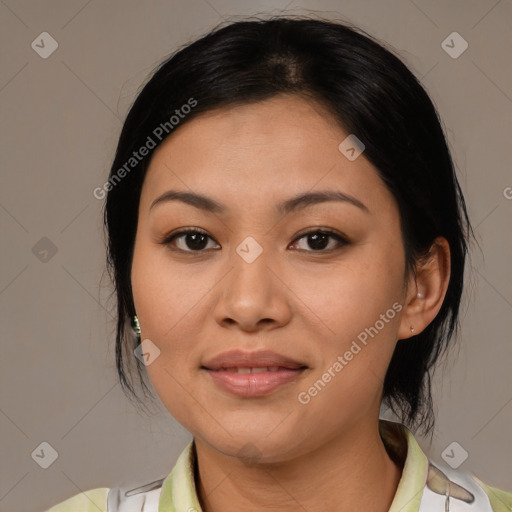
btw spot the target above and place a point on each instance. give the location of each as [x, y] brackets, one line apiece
[292, 204]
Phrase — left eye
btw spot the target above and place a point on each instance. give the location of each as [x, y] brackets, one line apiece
[319, 240]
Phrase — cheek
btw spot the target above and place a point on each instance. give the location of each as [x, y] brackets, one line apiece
[352, 295]
[171, 300]
[164, 294]
[359, 304]
[177, 393]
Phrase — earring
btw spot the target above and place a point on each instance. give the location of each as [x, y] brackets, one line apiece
[412, 329]
[420, 295]
[136, 327]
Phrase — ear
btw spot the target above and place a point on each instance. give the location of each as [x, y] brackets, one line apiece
[426, 289]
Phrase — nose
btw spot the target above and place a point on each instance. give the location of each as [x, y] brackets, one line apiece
[253, 297]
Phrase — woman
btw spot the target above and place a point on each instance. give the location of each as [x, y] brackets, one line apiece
[288, 236]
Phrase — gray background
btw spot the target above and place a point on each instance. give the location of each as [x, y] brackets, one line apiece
[61, 117]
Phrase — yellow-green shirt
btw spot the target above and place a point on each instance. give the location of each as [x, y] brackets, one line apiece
[422, 488]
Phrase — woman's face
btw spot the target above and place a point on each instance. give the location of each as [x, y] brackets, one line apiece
[317, 315]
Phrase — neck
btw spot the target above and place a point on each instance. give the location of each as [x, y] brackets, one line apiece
[353, 472]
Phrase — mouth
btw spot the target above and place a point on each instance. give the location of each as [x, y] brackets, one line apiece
[252, 374]
[261, 369]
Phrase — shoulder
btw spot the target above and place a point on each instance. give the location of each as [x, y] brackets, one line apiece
[174, 491]
[458, 490]
[427, 486]
[104, 499]
[501, 500]
[93, 500]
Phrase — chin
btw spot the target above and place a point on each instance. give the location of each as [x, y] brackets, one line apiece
[255, 443]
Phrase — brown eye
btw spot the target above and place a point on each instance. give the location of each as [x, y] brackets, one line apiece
[190, 240]
[319, 240]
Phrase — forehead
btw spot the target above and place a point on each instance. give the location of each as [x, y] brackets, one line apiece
[262, 151]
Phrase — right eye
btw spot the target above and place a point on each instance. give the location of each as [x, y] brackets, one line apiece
[191, 240]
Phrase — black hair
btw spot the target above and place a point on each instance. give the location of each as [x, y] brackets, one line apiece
[373, 95]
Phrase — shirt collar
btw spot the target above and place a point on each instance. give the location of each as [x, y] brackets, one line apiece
[179, 490]
[401, 444]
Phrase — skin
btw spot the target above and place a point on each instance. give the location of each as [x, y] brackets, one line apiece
[303, 303]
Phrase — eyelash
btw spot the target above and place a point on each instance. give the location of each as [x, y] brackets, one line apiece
[342, 240]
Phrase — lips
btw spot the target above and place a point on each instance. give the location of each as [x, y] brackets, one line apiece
[262, 359]
[252, 374]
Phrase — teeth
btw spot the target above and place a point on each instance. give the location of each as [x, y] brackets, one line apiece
[261, 369]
